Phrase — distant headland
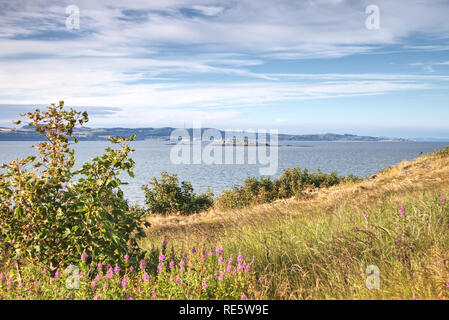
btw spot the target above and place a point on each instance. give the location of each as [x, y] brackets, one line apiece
[27, 133]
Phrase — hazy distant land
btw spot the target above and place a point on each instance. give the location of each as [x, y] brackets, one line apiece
[26, 133]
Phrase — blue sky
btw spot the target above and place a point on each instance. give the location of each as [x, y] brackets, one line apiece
[306, 66]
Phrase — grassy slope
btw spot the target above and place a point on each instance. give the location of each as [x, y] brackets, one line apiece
[318, 247]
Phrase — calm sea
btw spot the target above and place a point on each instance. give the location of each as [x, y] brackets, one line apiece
[153, 157]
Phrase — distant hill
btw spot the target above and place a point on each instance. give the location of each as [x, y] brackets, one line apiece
[27, 133]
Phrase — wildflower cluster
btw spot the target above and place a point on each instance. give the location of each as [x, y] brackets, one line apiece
[195, 274]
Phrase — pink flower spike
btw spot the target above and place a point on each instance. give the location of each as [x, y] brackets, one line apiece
[142, 265]
[146, 277]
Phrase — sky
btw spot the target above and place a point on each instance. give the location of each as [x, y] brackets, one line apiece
[304, 66]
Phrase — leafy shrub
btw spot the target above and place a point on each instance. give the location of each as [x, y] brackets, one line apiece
[52, 213]
[167, 196]
[264, 190]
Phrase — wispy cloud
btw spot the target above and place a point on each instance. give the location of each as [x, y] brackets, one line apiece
[196, 55]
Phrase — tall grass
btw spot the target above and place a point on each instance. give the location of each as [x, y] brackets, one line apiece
[324, 254]
[319, 247]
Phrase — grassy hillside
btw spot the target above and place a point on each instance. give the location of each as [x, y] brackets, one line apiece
[319, 245]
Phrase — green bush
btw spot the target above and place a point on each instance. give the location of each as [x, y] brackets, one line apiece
[167, 196]
[51, 213]
[264, 190]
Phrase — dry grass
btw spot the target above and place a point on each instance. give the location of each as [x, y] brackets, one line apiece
[318, 246]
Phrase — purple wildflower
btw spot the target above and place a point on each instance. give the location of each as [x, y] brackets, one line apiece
[93, 285]
[117, 270]
[143, 263]
[181, 263]
[126, 257]
[84, 257]
[124, 283]
[244, 297]
[172, 264]
[240, 258]
[221, 277]
[160, 267]
[401, 211]
[161, 258]
[219, 249]
[100, 266]
[205, 286]
[442, 200]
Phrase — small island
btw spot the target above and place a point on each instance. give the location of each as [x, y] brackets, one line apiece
[243, 143]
